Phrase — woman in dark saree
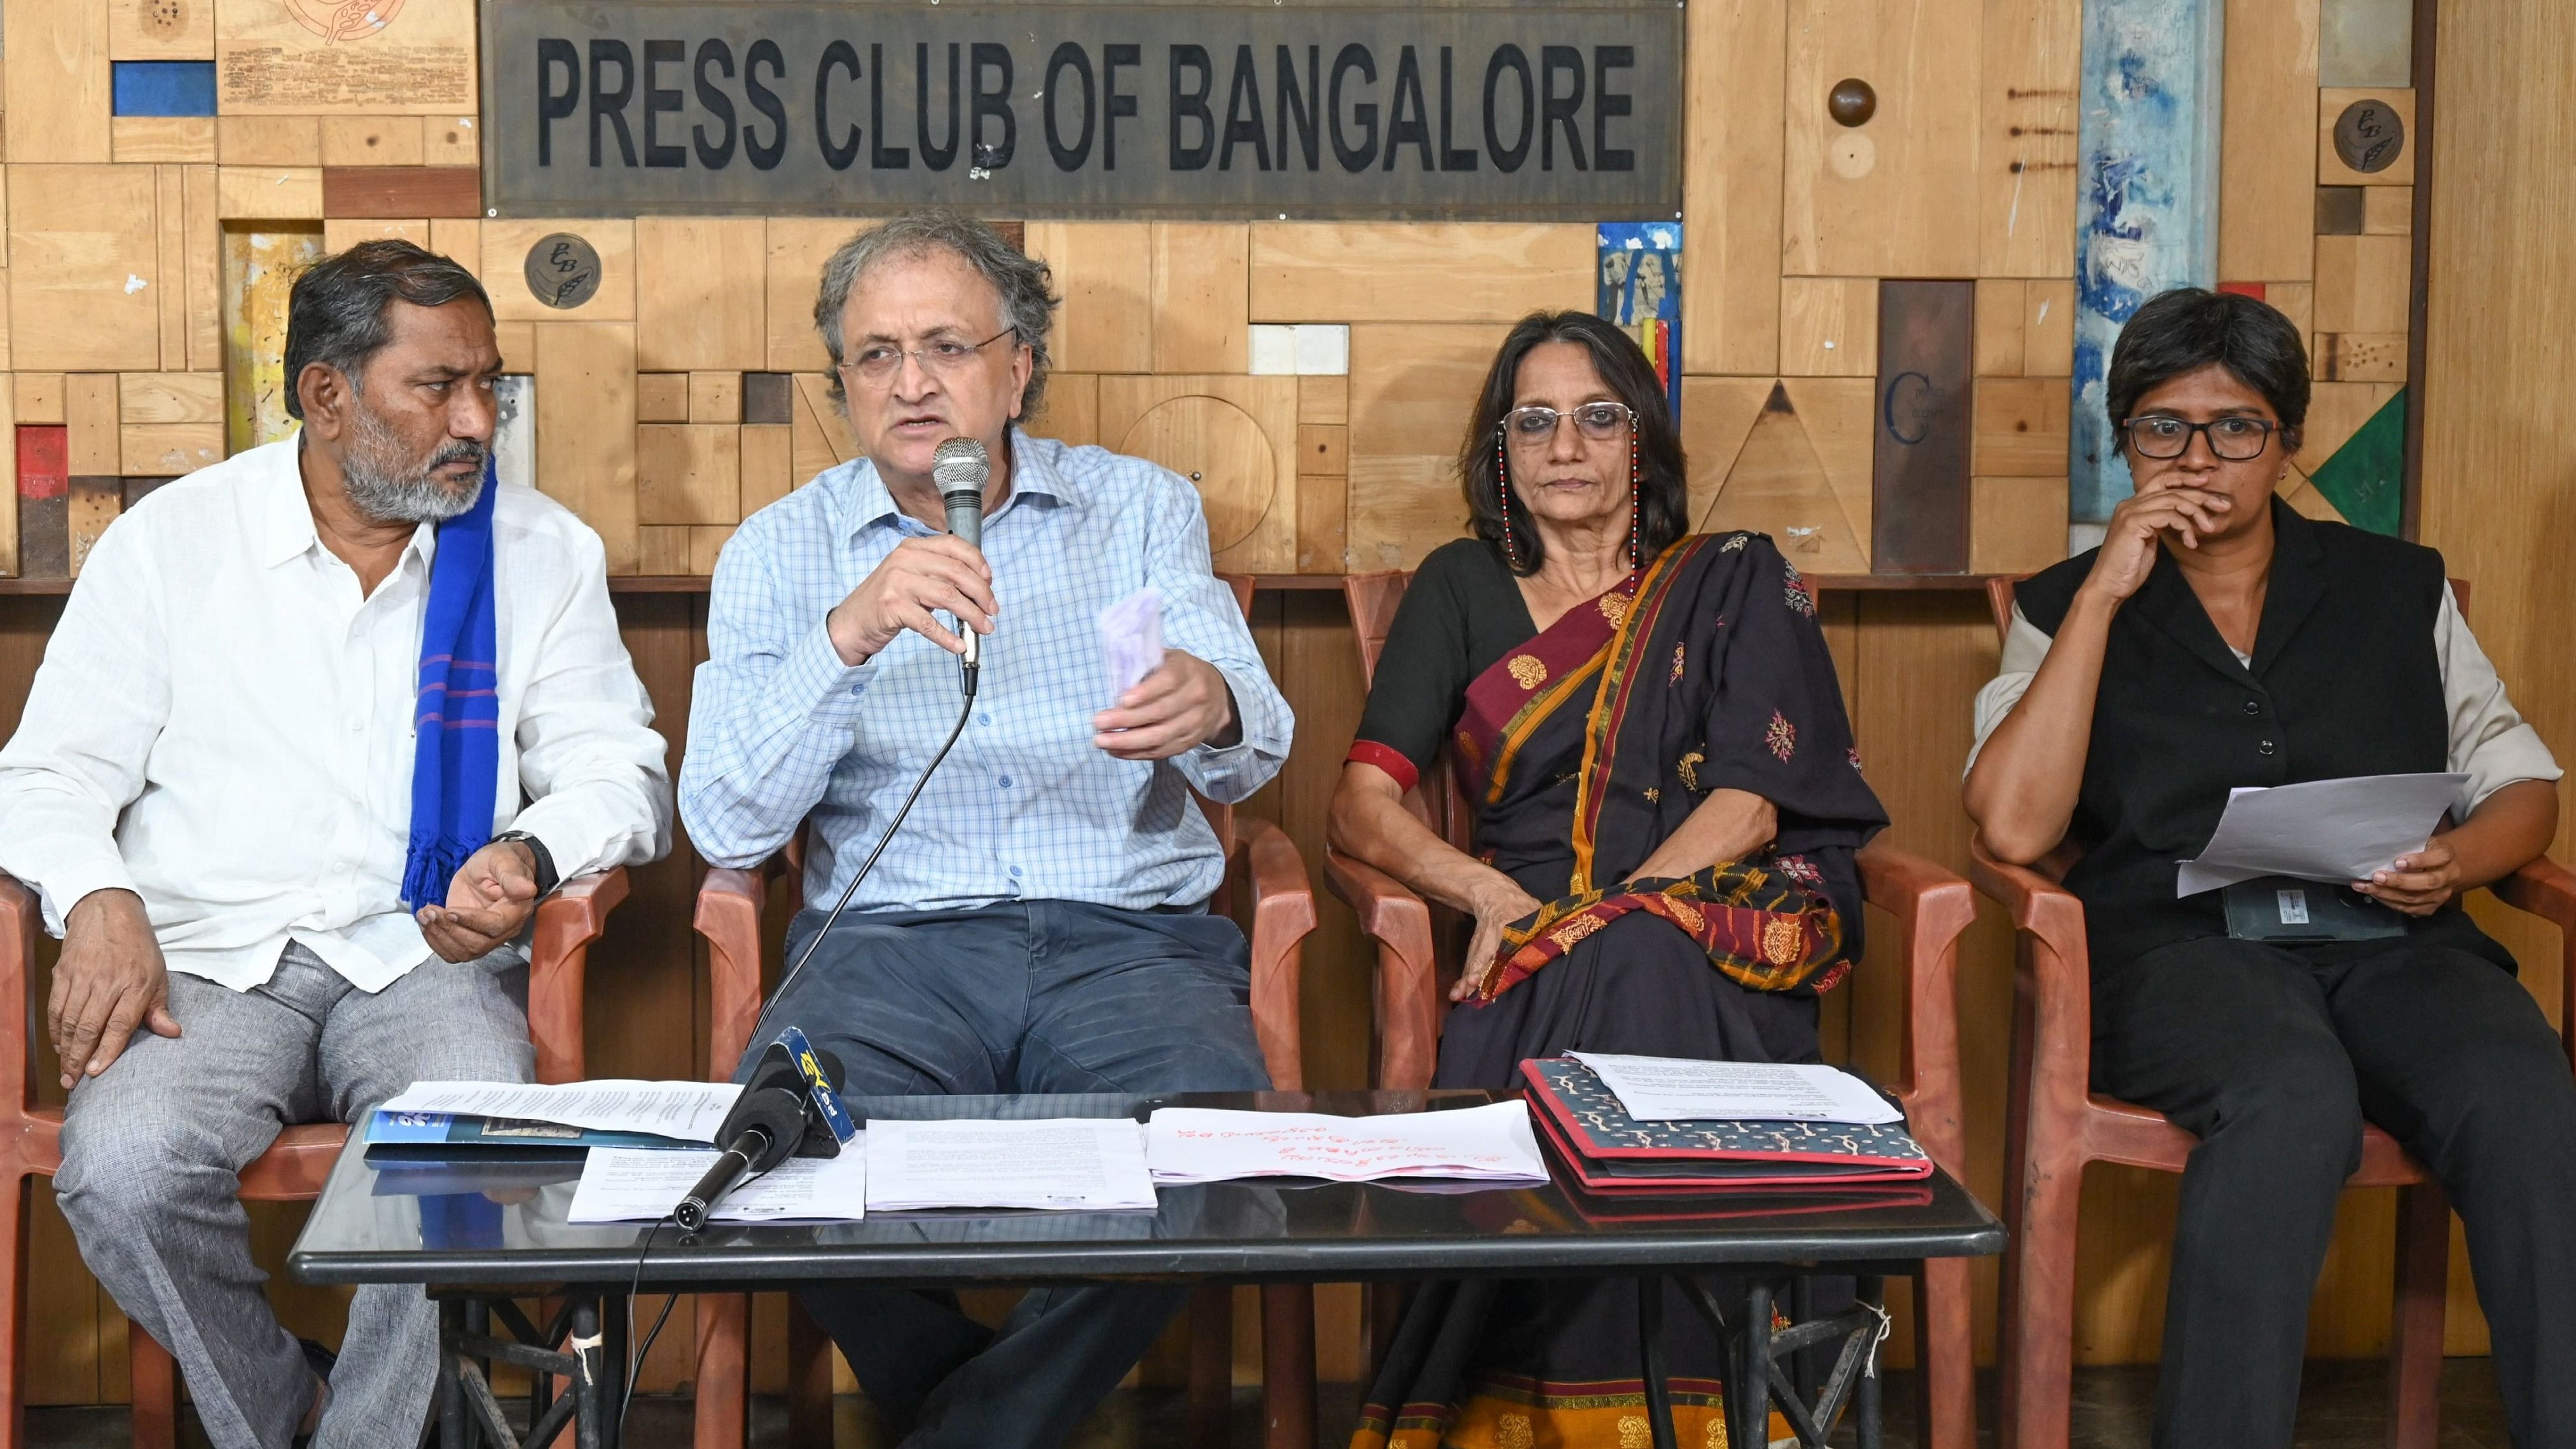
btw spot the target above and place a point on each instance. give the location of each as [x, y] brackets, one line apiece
[1667, 803]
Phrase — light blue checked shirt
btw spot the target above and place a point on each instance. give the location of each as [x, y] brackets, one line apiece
[1025, 807]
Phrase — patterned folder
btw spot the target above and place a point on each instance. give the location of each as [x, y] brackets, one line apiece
[1608, 1149]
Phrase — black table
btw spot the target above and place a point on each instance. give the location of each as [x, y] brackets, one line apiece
[479, 1237]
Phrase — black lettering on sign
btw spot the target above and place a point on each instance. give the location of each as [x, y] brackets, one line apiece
[1451, 158]
[1399, 131]
[880, 157]
[1243, 114]
[611, 105]
[1122, 106]
[554, 105]
[940, 157]
[1298, 108]
[839, 55]
[1557, 112]
[1607, 103]
[714, 155]
[1192, 105]
[661, 100]
[765, 154]
[1354, 57]
[1508, 159]
[1072, 57]
[994, 101]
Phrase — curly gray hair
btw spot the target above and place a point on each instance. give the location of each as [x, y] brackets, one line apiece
[1021, 281]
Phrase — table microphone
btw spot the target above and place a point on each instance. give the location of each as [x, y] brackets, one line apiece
[773, 1119]
[961, 468]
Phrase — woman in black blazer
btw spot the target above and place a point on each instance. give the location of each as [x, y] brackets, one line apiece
[2218, 639]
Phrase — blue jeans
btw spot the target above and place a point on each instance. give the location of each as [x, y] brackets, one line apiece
[1037, 996]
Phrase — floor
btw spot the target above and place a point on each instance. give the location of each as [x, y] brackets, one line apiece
[2341, 1409]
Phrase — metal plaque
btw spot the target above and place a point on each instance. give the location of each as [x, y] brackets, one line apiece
[1235, 108]
[2369, 136]
[562, 270]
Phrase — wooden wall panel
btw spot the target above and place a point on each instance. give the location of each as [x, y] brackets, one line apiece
[81, 239]
[2266, 202]
[699, 284]
[1418, 272]
[2026, 143]
[1409, 390]
[1896, 197]
[54, 62]
[798, 247]
[1104, 271]
[586, 433]
[1733, 144]
[1201, 298]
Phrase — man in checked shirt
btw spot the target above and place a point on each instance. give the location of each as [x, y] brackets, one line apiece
[1040, 923]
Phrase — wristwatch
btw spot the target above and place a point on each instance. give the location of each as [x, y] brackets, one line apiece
[547, 879]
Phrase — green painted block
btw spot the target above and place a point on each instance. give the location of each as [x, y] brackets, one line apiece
[2366, 478]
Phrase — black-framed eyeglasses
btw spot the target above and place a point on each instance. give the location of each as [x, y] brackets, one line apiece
[2234, 440]
[940, 356]
[1599, 421]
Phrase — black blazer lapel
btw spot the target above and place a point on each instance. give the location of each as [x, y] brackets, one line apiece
[2166, 601]
[2297, 585]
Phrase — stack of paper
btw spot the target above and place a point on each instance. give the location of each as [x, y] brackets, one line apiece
[1073, 1163]
[2322, 830]
[1671, 1089]
[1197, 1144]
[686, 1111]
[624, 1184]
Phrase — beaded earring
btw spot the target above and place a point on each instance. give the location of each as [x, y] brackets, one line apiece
[1636, 509]
[1503, 491]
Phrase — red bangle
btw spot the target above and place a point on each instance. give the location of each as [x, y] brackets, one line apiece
[1370, 752]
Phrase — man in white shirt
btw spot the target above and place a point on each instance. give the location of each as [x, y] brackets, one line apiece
[246, 735]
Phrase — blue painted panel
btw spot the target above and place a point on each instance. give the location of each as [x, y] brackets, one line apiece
[165, 87]
[2147, 199]
[1640, 288]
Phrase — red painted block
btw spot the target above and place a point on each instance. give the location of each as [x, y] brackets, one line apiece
[44, 502]
[2243, 289]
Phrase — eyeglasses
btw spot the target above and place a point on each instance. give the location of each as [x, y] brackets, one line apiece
[939, 357]
[1531, 427]
[2234, 440]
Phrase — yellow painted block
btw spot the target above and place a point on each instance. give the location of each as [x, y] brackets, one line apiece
[137, 139]
[85, 246]
[1829, 326]
[268, 193]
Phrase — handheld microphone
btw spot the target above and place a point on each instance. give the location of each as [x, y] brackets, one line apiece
[961, 468]
[776, 1117]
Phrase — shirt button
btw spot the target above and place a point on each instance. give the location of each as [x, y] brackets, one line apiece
[2264, 748]
[1006, 782]
[2253, 706]
[858, 689]
[983, 719]
[1015, 872]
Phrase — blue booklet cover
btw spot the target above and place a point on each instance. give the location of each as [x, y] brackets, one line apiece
[446, 1135]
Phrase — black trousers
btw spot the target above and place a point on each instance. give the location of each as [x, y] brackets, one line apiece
[1042, 996]
[2274, 1057]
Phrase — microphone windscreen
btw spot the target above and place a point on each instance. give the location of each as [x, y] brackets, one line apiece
[960, 468]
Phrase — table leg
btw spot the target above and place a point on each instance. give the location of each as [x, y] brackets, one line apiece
[591, 1408]
[1802, 1309]
[1865, 1405]
[1748, 1389]
[451, 1388]
[1650, 1348]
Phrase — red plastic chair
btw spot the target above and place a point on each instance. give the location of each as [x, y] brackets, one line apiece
[2057, 1124]
[1267, 893]
[1416, 963]
[291, 1170]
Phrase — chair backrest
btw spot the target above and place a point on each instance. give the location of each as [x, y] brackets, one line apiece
[1435, 801]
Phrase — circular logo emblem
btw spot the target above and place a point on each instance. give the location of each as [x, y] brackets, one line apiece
[563, 270]
[337, 20]
[2369, 136]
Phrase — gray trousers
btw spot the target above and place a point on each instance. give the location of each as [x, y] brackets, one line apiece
[153, 1149]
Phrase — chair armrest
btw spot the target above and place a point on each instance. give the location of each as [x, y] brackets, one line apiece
[2052, 980]
[1280, 901]
[2548, 890]
[1932, 907]
[1408, 986]
[18, 920]
[558, 958]
[728, 916]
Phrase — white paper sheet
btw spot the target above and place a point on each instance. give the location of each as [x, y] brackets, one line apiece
[2324, 830]
[640, 1184]
[1131, 639]
[688, 1111]
[1073, 1163]
[1671, 1089]
[1197, 1144]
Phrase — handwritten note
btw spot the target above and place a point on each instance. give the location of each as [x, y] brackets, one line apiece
[1198, 1144]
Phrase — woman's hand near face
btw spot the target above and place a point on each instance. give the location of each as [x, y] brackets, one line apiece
[1496, 906]
[2129, 541]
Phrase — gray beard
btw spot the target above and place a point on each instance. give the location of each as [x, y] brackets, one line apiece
[389, 489]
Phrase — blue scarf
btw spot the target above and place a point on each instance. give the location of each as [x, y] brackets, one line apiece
[456, 754]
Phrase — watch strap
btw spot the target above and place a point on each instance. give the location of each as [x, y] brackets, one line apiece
[547, 877]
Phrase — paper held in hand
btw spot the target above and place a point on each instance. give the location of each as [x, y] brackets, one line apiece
[1073, 1163]
[2323, 830]
[688, 1111]
[1671, 1089]
[1131, 639]
[635, 1185]
[1197, 1144]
